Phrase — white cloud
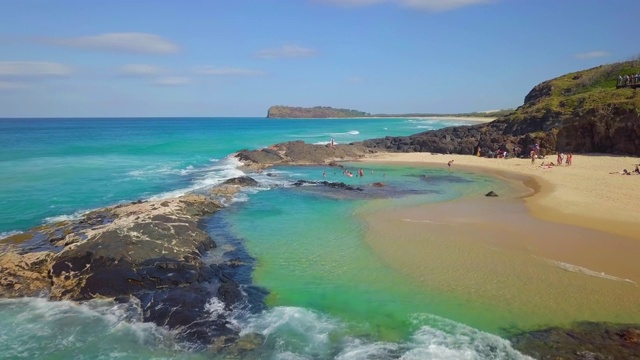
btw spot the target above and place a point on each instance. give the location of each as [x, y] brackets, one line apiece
[140, 70]
[34, 69]
[172, 81]
[208, 70]
[9, 85]
[139, 43]
[592, 55]
[286, 51]
[428, 5]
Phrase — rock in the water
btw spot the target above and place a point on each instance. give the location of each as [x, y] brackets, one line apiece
[378, 184]
[630, 335]
[491, 194]
[583, 341]
[147, 252]
[242, 181]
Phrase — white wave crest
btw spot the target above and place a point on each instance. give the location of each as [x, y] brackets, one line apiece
[423, 221]
[325, 143]
[34, 328]
[298, 333]
[6, 234]
[66, 217]
[585, 271]
[350, 132]
[224, 169]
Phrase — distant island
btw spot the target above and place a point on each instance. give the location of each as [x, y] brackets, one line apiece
[319, 112]
[294, 112]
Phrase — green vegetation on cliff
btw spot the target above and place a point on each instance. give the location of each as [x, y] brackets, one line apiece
[583, 92]
[582, 112]
[286, 112]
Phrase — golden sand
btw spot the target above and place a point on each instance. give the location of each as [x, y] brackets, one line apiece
[577, 257]
[584, 194]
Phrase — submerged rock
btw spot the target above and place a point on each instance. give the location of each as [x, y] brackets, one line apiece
[241, 181]
[333, 185]
[582, 341]
[491, 194]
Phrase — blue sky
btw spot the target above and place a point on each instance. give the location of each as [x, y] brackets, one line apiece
[96, 58]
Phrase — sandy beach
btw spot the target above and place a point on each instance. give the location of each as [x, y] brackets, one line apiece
[584, 194]
[574, 259]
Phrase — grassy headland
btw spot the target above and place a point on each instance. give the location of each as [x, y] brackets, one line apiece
[577, 112]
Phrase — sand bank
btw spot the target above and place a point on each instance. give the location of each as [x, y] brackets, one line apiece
[580, 266]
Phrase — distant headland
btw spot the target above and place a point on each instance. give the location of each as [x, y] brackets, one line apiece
[323, 112]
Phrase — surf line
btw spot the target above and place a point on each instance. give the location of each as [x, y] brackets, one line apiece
[425, 221]
[585, 271]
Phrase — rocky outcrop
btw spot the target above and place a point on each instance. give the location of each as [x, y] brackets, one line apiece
[454, 140]
[147, 252]
[300, 153]
[578, 112]
[333, 185]
[583, 341]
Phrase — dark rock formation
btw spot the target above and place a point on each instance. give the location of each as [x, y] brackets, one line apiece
[453, 140]
[241, 181]
[300, 153]
[578, 112]
[149, 253]
[333, 185]
[584, 341]
[491, 194]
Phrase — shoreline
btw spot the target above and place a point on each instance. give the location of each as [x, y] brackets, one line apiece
[544, 254]
[584, 194]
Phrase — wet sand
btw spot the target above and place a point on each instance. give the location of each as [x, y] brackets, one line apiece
[583, 265]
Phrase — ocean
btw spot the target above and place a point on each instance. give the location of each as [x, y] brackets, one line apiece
[329, 296]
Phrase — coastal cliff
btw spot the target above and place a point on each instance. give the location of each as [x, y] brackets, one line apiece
[579, 112]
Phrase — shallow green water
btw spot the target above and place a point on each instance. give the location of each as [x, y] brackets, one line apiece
[311, 254]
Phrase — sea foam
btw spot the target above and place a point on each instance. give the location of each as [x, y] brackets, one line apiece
[585, 271]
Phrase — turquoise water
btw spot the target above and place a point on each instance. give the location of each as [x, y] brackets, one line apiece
[330, 297]
[53, 168]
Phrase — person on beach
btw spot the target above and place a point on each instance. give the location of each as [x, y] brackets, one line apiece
[637, 170]
[533, 156]
[623, 172]
[479, 152]
[449, 163]
[332, 143]
[569, 159]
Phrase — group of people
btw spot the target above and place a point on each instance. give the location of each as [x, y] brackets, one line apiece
[561, 158]
[628, 80]
[350, 174]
